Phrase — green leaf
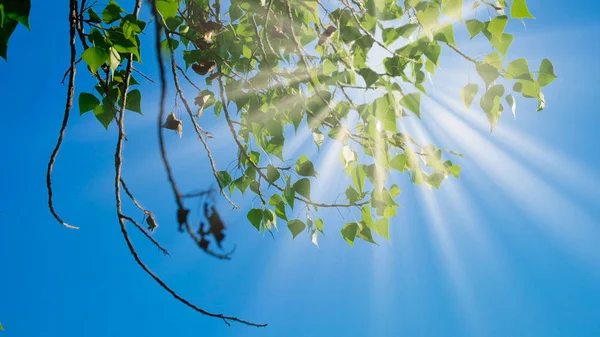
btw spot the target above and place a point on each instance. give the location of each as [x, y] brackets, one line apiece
[224, 178]
[497, 25]
[518, 69]
[114, 58]
[319, 225]
[255, 216]
[445, 34]
[454, 170]
[289, 194]
[352, 195]
[512, 103]
[365, 234]
[275, 147]
[105, 113]
[385, 114]
[432, 51]
[272, 174]
[467, 94]
[519, 10]
[167, 8]
[435, 179]
[474, 27]
[17, 10]
[381, 227]
[112, 12]
[494, 59]
[305, 167]
[398, 162]
[349, 232]
[546, 73]
[5, 32]
[277, 201]
[395, 191]
[296, 227]
[269, 220]
[490, 103]
[93, 16]
[390, 35]
[369, 76]
[412, 102]
[487, 72]
[452, 8]
[134, 101]
[87, 102]
[302, 187]
[318, 137]
[502, 43]
[95, 57]
[358, 177]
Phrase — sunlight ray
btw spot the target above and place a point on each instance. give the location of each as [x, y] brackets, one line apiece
[445, 246]
[566, 222]
[533, 152]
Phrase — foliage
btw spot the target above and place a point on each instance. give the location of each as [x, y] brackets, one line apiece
[12, 12]
[287, 65]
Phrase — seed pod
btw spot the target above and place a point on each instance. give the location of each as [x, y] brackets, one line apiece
[173, 123]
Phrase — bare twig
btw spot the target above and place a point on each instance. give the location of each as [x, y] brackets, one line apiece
[143, 75]
[69, 105]
[199, 132]
[146, 234]
[163, 83]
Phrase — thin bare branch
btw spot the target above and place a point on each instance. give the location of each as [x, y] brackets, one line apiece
[69, 105]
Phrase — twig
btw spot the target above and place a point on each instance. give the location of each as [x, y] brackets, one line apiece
[68, 71]
[143, 75]
[163, 83]
[146, 234]
[69, 105]
[188, 79]
[199, 131]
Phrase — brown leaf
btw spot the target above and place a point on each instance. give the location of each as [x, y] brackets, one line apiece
[203, 67]
[173, 123]
[152, 225]
[278, 33]
[326, 34]
[182, 215]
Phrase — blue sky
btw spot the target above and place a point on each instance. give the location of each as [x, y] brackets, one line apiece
[509, 249]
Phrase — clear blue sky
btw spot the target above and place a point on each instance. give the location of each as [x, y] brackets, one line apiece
[510, 249]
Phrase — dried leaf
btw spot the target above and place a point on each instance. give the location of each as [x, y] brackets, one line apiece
[326, 35]
[150, 221]
[203, 67]
[278, 33]
[173, 123]
[182, 215]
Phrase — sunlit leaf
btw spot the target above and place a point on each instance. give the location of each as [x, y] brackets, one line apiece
[546, 73]
[349, 232]
[467, 94]
[518, 10]
[296, 227]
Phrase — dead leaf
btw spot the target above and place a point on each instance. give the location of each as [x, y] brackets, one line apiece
[173, 123]
[326, 34]
[203, 67]
[152, 225]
